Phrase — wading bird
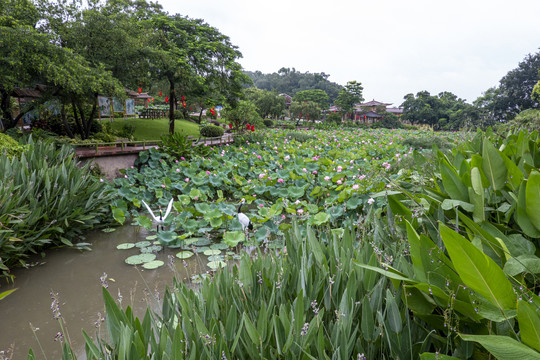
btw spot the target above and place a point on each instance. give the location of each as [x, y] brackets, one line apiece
[161, 219]
[244, 220]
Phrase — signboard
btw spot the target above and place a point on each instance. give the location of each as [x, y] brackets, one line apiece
[104, 104]
[118, 106]
[130, 107]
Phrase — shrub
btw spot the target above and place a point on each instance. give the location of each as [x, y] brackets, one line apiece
[333, 117]
[54, 200]
[178, 145]
[212, 131]
[9, 146]
[268, 123]
[300, 137]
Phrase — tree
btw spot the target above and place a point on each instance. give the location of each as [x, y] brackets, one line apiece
[28, 58]
[349, 97]
[195, 59]
[244, 112]
[268, 103]
[515, 89]
[305, 110]
[315, 95]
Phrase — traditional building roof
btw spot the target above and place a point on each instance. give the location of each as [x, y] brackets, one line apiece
[373, 103]
[395, 110]
[27, 92]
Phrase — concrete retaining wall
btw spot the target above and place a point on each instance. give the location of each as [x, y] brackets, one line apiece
[110, 165]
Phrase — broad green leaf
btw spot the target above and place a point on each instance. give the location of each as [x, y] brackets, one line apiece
[119, 216]
[392, 313]
[532, 198]
[478, 271]
[529, 324]
[521, 216]
[504, 347]
[452, 182]
[493, 165]
[434, 356]
[522, 264]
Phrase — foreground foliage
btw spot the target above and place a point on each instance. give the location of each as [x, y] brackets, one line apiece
[45, 200]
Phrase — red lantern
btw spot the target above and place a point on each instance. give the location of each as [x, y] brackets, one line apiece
[166, 99]
[252, 127]
[230, 126]
[248, 126]
[152, 99]
[183, 98]
[184, 105]
[140, 90]
[160, 93]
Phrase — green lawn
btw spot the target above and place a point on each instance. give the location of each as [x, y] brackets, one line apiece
[153, 129]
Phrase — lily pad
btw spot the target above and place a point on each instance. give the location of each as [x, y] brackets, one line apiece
[216, 258]
[153, 264]
[167, 238]
[151, 237]
[125, 246]
[212, 252]
[184, 254]
[140, 259]
[202, 249]
[219, 246]
[142, 244]
[202, 242]
[214, 265]
[108, 230]
[151, 249]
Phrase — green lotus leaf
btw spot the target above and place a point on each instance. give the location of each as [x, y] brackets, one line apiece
[184, 254]
[216, 258]
[202, 242]
[211, 252]
[232, 238]
[151, 249]
[167, 238]
[140, 259]
[142, 244]
[153, 264]
[214, 265]
[219, 246]
[125, 246]
[201, 249]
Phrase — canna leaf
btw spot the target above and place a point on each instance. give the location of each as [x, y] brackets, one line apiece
[478, 271]
[503, 347]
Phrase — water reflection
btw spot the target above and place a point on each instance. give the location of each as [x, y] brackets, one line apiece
[75, 277]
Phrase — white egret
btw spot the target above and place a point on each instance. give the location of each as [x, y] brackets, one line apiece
[244, 220]
[161, 219]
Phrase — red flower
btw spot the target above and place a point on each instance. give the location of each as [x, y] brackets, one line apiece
[152, 99]
[166, 99]
[184, 105]
[248, 126]
[160, 93]
[252, 127]
[230, 126]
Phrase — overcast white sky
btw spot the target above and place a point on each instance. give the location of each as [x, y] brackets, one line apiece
[393, 47]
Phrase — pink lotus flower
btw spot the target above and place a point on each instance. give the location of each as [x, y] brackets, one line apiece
[163, 186]
[355, 187]
[314, 172]
[371, 201]
[280, 180]
[339, 182]
[261, 176]
[327, 178]
[300, 211]
[186, 180]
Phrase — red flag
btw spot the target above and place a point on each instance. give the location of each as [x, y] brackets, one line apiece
[230, 126]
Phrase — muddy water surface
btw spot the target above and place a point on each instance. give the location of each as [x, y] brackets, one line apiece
[75, 277]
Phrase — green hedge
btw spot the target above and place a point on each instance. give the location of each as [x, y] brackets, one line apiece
[212, 131]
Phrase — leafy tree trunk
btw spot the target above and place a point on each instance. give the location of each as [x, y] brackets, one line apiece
[66, 124]
[76, 117]
[5, 105]
[172, 101]
[200, 115]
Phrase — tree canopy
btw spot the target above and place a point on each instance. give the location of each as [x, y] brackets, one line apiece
[79, 50]
[289, 81]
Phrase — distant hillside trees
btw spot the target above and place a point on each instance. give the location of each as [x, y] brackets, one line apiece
[289, 81]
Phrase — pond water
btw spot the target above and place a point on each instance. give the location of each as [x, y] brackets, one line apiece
[75, 277]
